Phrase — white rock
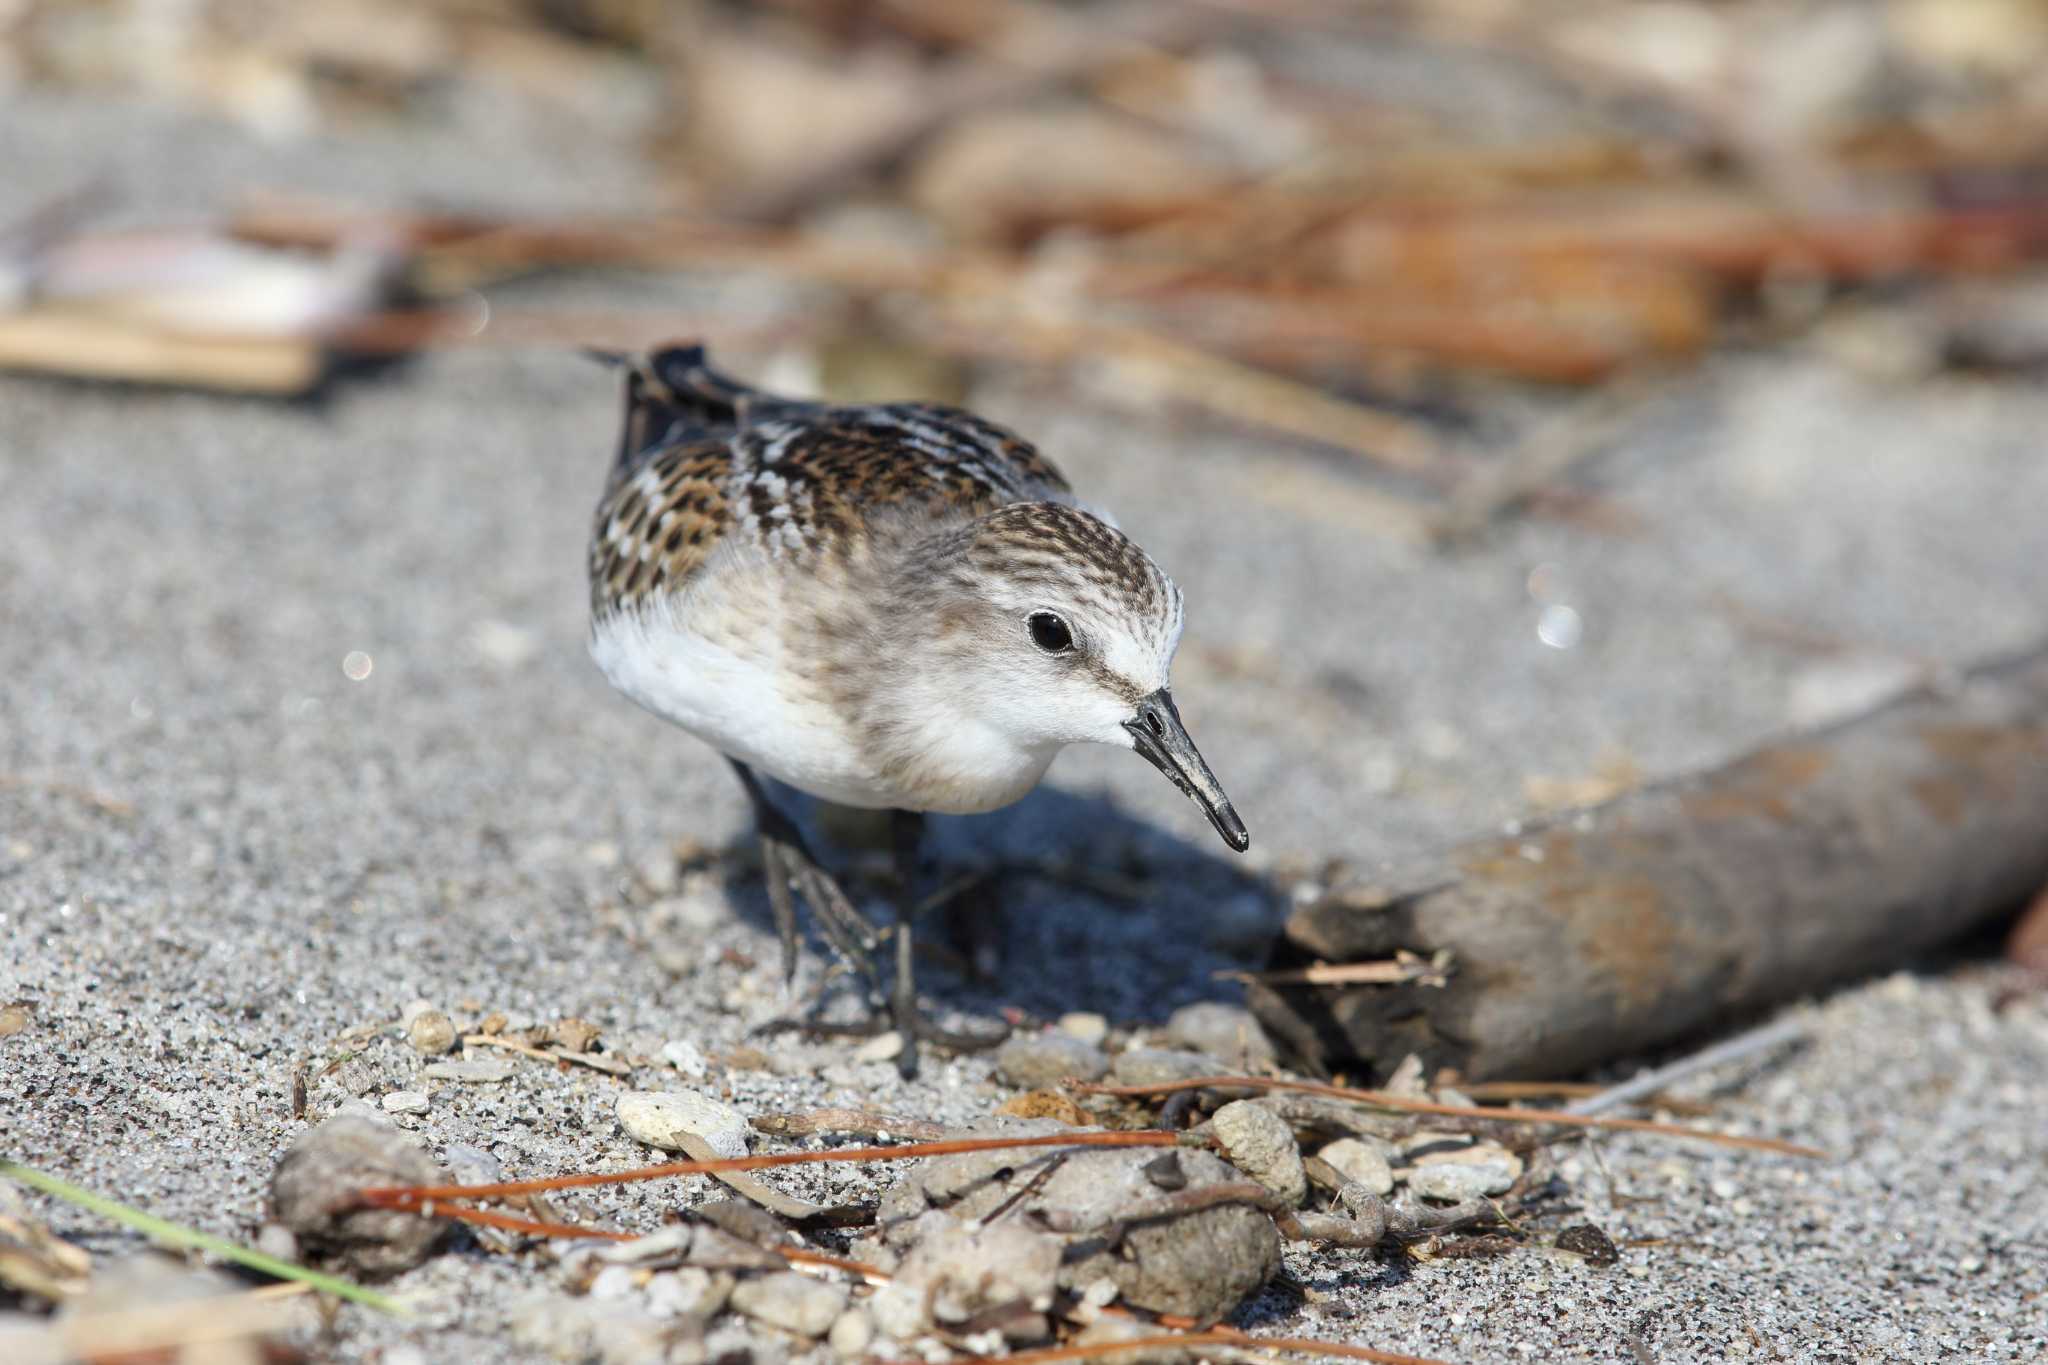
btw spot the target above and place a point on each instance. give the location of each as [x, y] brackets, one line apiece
[1089, 1028]
[655, 1117]
[686, 1057]
[405, 1102]
[795, 1303]
[689, 1292]
[852, 1333]
[614, 1282]
[880, 1048]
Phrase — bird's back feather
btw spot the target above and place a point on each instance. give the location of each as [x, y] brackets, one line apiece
[705, 460]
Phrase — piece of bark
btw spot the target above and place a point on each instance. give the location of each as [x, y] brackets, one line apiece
[1681, 905]
[55, 341]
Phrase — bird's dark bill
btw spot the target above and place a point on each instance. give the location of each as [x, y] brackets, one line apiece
[1163, 742]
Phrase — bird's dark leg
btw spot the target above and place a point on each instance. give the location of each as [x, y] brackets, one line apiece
[787, 859]
[906, 831]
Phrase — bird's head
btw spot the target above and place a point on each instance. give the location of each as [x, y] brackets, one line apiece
[1048, 624]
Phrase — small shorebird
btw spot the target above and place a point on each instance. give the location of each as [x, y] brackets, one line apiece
[896, 606]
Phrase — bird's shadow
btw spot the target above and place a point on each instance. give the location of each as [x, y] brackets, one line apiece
[1067, 902]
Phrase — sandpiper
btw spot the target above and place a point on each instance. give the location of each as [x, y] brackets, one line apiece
[895, 606]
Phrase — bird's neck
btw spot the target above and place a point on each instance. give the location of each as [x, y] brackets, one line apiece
[895, 657]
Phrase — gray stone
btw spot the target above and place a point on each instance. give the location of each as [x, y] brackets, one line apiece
[1258, 1142]
[1459, 1176]
[471, 1165]
[656, 1117]
[1202, 1263]
[956, 1270]
[795, 1303]
[1041, 1061]
[1226, 1031]
[312, 1192]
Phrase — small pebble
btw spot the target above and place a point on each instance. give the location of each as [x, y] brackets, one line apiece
[471, 1071]
[852, 1333]
[1157, 1066]
[1227, 1031]
[312, 1193]
[1088, 1028]
[275, 1239]
[405, 1102]
[428, 1030]
[880, 1048]
[1258, 1142]
[1361, 1162]
[795, 1303]
[572, 1034]
[689, 1292]
[1039, 1061]
[1587, 1240]
[656, 1116]
[614, 1282]
[471, 1165]
[686, 1057]
[1458, 1176]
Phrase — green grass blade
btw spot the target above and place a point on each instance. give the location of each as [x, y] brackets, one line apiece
[176, 1234]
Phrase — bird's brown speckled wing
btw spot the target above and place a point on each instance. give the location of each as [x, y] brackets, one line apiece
[656, 529]
[793, 478]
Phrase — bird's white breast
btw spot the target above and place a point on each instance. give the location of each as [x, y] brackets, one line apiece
[726, 685]
[713, 660]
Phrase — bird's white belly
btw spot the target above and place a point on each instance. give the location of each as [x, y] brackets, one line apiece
[735, 700]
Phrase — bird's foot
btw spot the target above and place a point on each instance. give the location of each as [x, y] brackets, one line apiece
[790, 867]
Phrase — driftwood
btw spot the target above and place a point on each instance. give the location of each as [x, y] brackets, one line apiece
[1683, 905]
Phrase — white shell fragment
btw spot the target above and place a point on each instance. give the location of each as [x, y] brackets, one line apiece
[655, 1117]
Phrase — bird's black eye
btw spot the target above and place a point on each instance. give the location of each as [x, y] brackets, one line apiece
[1050, 633]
